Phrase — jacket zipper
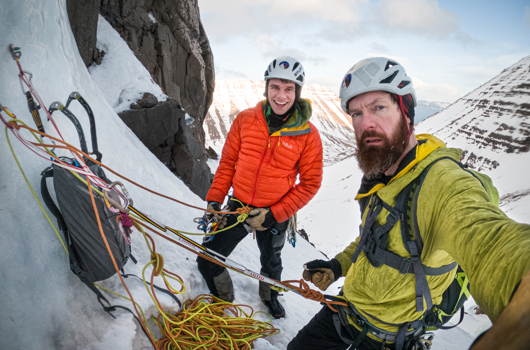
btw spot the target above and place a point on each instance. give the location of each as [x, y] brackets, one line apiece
[257, 174]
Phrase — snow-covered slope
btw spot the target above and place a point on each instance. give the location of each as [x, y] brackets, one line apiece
[44, 305]
[233, 96]
[492, 125]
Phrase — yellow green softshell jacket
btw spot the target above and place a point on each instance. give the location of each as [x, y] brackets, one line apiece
[458, 223]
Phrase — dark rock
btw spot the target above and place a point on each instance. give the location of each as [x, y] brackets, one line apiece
[190, 159]
[210, 153]
[155, 126]
[135, 105]
[97, 56]
[148, 100]
[163, 130]
[303, 234]
[175, 49]
[83, 16]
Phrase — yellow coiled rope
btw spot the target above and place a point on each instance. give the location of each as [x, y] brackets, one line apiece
[211, 323]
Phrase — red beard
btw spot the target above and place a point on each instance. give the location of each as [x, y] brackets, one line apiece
[374, 159]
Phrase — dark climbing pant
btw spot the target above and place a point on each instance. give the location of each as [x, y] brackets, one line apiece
[320, 333]
[270, 244]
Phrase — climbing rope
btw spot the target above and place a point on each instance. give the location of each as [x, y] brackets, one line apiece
[15, 123]
[211, 323]
[157, 260]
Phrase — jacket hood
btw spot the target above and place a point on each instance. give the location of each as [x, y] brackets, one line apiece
[426, 147]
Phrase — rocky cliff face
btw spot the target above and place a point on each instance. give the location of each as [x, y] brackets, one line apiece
[168, 38]
[233, 96]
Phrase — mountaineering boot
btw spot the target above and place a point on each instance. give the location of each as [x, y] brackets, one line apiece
[224, 286]
[275, 308]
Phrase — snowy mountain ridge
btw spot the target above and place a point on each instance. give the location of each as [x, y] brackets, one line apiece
[492, 125]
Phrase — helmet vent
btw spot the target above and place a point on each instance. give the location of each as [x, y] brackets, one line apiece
[267, 73]
[403, 84]
[295, 65]
[390, 64]
[274, 64]
[389, 79]
[300, 78]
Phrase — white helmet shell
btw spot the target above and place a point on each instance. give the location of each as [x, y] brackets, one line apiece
[287, 68]
[375, 74]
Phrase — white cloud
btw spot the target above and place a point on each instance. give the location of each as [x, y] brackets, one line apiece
[330, 10]
[415, 15]
[401, 60]
[229, 18]
[222, 73]
[380, 49]
[270, 47]
[419, 17]
[526, 16]
[435, 92]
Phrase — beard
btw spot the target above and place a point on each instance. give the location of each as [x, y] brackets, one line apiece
[374, 160]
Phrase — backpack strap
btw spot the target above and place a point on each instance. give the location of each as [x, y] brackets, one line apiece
[408, 202]
[47, 173]
[374, 238]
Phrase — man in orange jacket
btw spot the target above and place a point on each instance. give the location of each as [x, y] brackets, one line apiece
[267, 147]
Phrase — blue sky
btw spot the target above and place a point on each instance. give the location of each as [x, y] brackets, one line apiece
[449, 48]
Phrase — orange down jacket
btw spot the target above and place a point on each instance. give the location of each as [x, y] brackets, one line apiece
[262, 168]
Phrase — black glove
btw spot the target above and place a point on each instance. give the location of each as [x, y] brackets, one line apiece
[220, 219]
[322, 273]
[261, 219]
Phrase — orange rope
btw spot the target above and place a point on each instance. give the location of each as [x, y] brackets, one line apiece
[69, 147]
[312, 294]
[114, 262]
[302, 288]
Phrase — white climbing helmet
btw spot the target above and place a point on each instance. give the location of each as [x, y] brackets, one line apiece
[288, 68]
[375, 74]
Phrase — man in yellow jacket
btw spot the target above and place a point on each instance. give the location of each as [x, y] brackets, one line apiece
[401, 264]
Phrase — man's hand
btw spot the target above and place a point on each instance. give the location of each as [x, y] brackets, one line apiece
[322, 273]
[220, 219]
[260, 219]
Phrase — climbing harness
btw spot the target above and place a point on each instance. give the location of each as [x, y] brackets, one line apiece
[373, 243]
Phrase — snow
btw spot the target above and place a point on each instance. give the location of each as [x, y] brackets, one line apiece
[123, 81]
[44, 306]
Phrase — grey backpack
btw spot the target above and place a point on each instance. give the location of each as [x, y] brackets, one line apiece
[89, 257]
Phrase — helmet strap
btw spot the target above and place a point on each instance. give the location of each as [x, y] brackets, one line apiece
[405, 112]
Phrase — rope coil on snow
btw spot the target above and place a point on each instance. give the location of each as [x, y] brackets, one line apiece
[211, 323]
